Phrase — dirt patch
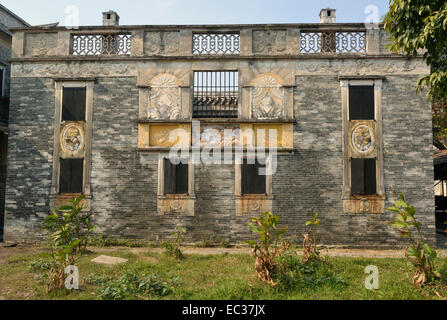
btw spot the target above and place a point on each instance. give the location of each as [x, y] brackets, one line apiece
[6, 253]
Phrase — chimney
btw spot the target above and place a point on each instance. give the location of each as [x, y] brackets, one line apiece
[110, 18]
[328, 15]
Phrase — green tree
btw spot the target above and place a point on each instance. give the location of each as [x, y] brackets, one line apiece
[422, 24]
[416, 25]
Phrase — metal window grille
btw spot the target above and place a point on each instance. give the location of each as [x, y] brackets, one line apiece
[216, 43]
[101, 44]
[216, 94]
[333, 42]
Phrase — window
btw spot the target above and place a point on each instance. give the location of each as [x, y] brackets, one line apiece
[361, 103]
[175, 178]
[71, 166]
[363, 176]
[216, 94]
[71, 176]
[73, 104]
[252, 181]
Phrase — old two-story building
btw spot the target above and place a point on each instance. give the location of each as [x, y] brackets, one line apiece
[292, 118]
[7, 20]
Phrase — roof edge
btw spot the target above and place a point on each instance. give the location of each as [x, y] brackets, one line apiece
[14, 15]
[202, 26]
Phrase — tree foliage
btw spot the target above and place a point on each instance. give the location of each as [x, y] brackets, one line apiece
[421, 25]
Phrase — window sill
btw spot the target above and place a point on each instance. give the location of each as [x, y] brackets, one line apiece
[177, 197]
[220, 120]
[254, 197]
[365, 197]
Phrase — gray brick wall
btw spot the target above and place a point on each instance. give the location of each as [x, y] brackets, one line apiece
[124, 182]
[30, 157]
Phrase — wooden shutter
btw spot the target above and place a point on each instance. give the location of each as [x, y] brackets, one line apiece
[175, 178]
[251, 181]
[361, 103]
[74, 104]
[169, 177]
[363, 177]
[181, 179]
[71, 176]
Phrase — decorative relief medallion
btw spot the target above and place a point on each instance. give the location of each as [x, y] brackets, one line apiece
[267, 97]
[217, 135]
[362, 138]
[164, 98]
[182, 206]
[72, 138]
[269, 41]
[168, 136]
[161, 42]
[247, 206]
[361, 206]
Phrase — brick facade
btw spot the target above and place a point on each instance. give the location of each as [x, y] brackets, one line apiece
[124, 178]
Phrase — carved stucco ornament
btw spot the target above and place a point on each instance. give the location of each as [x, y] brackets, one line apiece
[72, 138]
[362, 139]
[164, 98]
[267, 97]
[269, 41]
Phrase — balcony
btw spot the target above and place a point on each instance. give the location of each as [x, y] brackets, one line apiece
[202, 42]
[100, 44]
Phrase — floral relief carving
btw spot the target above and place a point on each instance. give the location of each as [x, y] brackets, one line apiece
[267, 97]
[72, 138]
[217, 136]
[269, 41]
[161, 42]
[164, 98]
[362, 138]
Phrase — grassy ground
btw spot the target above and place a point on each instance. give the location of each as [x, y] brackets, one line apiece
[222, 276]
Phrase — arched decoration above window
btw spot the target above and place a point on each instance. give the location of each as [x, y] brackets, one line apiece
[164, 98]
[267, 97]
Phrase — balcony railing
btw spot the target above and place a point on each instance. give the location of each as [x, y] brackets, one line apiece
[343, 39]
[100, 44]
[216, 43]
[313, 42]
[216, 94]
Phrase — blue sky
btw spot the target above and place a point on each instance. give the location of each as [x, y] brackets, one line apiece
[151, 12]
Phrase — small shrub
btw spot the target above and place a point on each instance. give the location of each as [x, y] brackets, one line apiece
[40, 265]
[269, 247]
[173, 247]
[310, 274]
[419, 253]
[68, 230]
[310, 248]
[132, 284]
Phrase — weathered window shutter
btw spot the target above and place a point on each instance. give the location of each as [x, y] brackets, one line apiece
[363, 176]
[175, 178]
[71, 176]
[181, 181]
[252, 182]
[74, 104]
[169, 173]
[361, 103]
